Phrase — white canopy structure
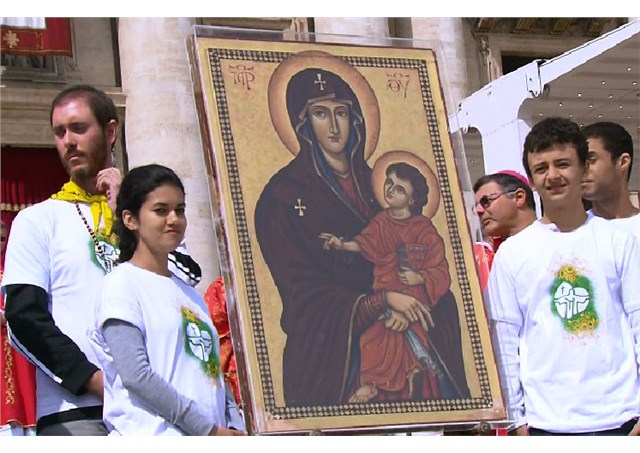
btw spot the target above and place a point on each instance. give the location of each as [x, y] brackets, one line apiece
[598, 81]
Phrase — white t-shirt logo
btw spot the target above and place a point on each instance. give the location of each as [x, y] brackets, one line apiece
[110, 257]
[570, 300]
[200, 342]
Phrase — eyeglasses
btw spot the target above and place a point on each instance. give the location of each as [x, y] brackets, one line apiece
[486, 200]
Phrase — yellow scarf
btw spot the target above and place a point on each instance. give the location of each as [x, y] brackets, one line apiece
[73, 192]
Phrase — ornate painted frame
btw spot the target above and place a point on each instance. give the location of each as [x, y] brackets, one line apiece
[242, 151]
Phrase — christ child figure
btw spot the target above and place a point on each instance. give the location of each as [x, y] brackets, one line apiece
[409, 257]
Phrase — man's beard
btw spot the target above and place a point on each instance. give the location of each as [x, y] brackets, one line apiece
[82, 173]
[91, 169]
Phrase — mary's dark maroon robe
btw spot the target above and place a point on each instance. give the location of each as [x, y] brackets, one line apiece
[319, 289]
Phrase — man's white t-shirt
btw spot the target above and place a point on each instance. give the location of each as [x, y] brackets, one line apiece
[51, 248]
[566, 308]
[631, 224]
[182, 345]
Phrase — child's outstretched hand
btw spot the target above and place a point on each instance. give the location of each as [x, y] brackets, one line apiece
[331, 241]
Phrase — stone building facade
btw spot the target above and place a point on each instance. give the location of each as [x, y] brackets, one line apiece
[143, 64]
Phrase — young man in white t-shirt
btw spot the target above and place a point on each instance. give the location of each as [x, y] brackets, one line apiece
[58, 254]
[609, 171]
[564, 303]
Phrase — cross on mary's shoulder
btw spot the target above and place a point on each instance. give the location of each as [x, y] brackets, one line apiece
[300, 207]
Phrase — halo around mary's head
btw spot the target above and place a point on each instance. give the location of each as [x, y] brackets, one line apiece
[314, 75]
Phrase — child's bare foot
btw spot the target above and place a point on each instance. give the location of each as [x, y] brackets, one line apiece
[364, 394]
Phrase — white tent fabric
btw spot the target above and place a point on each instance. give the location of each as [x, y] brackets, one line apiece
[598, 81]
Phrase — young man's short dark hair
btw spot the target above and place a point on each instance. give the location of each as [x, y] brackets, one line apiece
[99, 102]
[554, 131]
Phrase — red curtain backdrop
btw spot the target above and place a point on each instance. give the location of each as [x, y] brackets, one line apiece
[18, 383]
[55, 39]
[28, 176]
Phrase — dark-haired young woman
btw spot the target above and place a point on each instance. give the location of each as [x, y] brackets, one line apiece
[157, 344]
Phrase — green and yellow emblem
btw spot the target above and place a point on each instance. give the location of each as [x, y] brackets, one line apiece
[199, 342]
[573, 301]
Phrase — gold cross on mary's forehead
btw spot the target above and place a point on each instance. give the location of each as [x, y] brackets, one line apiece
[320, 81]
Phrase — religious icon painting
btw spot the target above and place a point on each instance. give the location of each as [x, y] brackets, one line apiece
[344, 245]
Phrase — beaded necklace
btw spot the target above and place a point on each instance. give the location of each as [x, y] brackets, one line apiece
[99, 249]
